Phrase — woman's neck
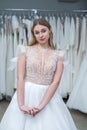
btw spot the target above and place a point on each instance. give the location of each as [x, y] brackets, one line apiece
[45, 46]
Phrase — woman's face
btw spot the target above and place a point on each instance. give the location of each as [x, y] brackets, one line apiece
[41, 34]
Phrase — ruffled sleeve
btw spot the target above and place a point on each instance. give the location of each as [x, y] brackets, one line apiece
[13, 62]
[62, 57]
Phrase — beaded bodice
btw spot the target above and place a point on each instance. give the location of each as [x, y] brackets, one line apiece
[40, 68]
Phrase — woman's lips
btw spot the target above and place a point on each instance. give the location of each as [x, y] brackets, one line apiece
[42, 39]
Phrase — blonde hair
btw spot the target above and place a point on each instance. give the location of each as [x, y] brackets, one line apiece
[41, 21]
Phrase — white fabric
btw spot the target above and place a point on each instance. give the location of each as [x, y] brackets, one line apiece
[28, 24]
[62, 46]
[78, 97]
[15, 23]
[13, 62]
[55, 112]
[3, 46]
[67, 32]
[82, 46]
[70, 52]
[20, 30]
[9, 74]
[72, 32]
[55, 116]
[76, 46]
[52, 22]
[58, 33]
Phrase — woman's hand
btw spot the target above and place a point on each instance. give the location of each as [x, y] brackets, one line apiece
[25, 109]
[36, 110]
[31, 111]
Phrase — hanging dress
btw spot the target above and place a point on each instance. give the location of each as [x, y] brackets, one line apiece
[76, 47]
[52, 22]
[81, 46]
[28, 24]
[9, 74]
[58, 33]
[71, 46]
[64, 83]
[2, 70]
[78, 97]
[3, 46]
[15, 26]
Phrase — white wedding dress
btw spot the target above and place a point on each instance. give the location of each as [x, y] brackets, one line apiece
[39, 74]
[77, 99]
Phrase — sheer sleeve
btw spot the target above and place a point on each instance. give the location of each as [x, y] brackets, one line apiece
[61, 56]
[21, 49]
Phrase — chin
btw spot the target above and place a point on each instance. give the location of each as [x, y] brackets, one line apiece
[43, 42]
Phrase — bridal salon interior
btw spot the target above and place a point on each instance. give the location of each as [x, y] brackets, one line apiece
[68, 19]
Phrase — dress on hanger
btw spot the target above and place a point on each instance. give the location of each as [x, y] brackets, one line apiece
[28, 24]
[53, 24]
[82, 46]
[64, 84]
[76, 46]
[55, 116]
[71, 45]
[9, 74]
[77, 99]
[58, 32]
[3, 46]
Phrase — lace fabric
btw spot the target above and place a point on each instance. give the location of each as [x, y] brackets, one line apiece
[40, 67]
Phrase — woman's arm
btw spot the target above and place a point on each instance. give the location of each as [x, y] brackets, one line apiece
[20, 84]
[52, 88]
[20, 79]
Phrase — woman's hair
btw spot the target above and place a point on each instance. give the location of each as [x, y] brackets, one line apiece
[41, 21]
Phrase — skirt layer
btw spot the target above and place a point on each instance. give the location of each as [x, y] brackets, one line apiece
[55, 116]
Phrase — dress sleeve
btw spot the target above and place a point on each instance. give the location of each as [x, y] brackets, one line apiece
[20, 49]
[13, 62]
[61, 55]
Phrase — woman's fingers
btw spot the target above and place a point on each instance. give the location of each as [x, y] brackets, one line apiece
[25, 109]
[31, 111]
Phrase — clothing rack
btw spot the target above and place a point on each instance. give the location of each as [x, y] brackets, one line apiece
[8, 10]
[21, 9]
[41, 12]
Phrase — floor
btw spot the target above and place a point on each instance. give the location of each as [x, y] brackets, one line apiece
[79, 118]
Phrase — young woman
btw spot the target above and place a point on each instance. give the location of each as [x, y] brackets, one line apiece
[37, 105]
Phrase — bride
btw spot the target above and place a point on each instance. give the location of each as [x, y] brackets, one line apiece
[37, 104]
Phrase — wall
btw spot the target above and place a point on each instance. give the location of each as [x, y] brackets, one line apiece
[43, 4]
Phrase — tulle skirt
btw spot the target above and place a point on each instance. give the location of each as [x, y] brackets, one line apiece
[55, 116]
[78, 97]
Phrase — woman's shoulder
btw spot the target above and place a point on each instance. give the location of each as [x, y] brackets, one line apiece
[22, 50]
[59, 53]
[29, 48]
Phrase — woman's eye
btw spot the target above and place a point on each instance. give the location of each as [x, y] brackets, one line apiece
[43, 31]
[36, 32]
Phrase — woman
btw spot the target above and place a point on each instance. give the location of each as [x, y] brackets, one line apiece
[37, 104]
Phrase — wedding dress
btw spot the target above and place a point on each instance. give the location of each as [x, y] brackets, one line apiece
[77, 99]
[39, 75]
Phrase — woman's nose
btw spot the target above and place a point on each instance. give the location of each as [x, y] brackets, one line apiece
[40, 34]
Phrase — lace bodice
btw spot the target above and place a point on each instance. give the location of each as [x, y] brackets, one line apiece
[40, 69]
